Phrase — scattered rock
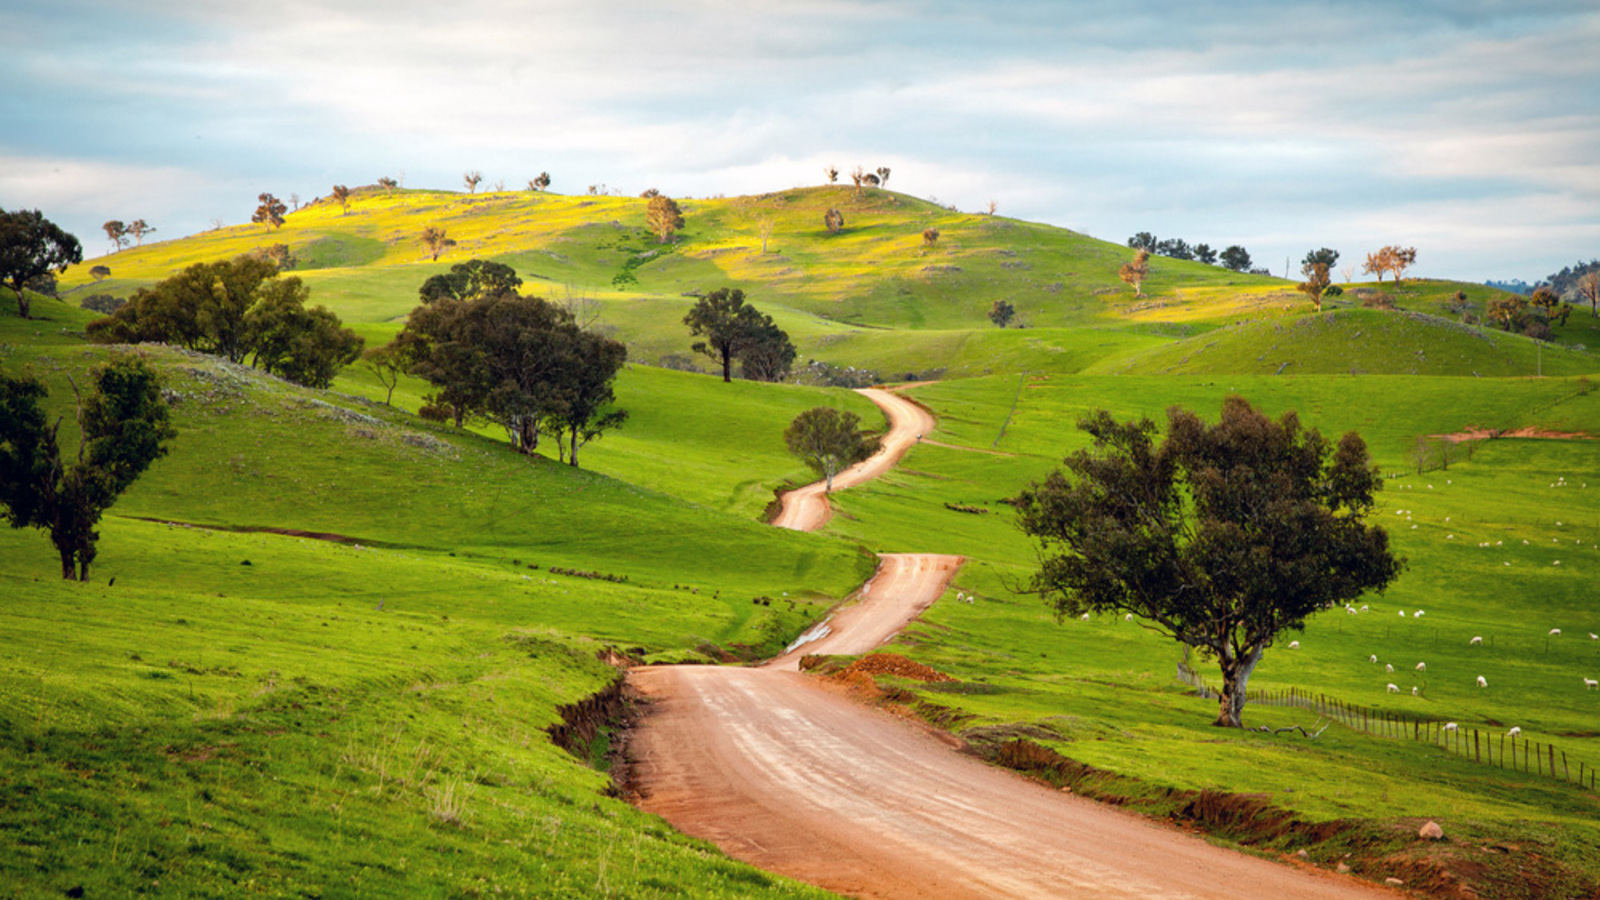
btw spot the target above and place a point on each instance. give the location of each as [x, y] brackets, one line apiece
[1342, 869]
[1432, 832]
[1394, 882]
[1303, 855]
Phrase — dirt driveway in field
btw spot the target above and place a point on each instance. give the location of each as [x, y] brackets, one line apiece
[782, 772]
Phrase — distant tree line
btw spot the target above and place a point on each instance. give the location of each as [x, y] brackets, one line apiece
[521, 362]
[241, 310]
[1234, 257]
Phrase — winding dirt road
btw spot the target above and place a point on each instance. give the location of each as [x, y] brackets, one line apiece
[783, 773]
[806, 508]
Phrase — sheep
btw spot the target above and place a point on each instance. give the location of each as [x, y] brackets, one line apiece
[1449, 726]
[1417, 614]
[1594, 637]
[1394, 688]
[1372, 658]
[1590, 684]
[1483, 682]
[1128, 617]
[1555, 631]
[1515, 730]
[1388, 667]
[1402, 614]
[1364, 607]
[1294, 645]
[1415, 692]
[1422, 667]
[1084, 617]
[1477, 640]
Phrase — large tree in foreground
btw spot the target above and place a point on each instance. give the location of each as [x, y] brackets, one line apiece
[31, 246]
[829, 441]
[1221, 536]
[124, 426]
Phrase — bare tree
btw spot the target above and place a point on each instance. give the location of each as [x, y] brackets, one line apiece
[1589, 289]
[764, 227]
[832, 172]
[117, 232]
[436, 240]
[1134, 272]
[993, 205]
[471, 179]
[859, 176]
[883, 175]
[270, 212]
[1316, 282]
[139, 228]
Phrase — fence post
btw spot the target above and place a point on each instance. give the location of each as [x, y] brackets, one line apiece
[1476, 755]
[1503, 751]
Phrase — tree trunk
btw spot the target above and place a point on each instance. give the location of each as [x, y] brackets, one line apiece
[827, 470]
[727, 365]
[572, 458]
[68, 570]
[22, 303]
[1235, 684]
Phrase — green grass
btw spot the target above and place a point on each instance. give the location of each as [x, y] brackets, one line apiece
[343, 720]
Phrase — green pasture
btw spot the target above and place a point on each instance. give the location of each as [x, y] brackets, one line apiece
[334, 637]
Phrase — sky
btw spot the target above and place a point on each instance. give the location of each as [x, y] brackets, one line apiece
[1469, 129]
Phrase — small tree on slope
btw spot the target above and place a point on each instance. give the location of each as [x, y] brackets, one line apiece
[125, 427]
[829, 441]
[1221, 537]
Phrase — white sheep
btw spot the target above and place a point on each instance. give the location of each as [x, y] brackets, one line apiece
[1594, 637]
[1422, 667]
[1128, 617]
[1515, 730]
[1449, 726]
[1476, 640]
[1364, 607]
[1373, 658]
[1294, 645]
[1415, 692]
[1402, 614]
[1417, 614]
[1084, 617]
[1388, 667]
[1554, 631]
[1394, 688]
[1590, 683]
[1482, 681]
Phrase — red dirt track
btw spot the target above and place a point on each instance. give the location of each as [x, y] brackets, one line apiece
[783, 773]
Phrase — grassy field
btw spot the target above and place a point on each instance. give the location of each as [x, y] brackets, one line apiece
[334, 638]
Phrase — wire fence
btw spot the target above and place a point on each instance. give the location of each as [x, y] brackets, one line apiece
[1491, 748]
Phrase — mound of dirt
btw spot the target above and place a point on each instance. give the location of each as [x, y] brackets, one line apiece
[892, 664]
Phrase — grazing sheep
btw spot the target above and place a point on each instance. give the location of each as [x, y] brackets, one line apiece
[1482, 681]
[1084, 617]
[1417, 614]
[1388, 667]
[1402, 614]
[1594, 637]
[1416, 692]
[1449, 726]
[1394, 688]
[1515, 730]
[1476, 640]
[1422, 667]
[1294, 645]
[1589, 683]
[1364, 607]
[1555, 631]
[1373, 658]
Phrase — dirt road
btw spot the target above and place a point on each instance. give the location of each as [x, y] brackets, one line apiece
[795, 778]
[806, 508]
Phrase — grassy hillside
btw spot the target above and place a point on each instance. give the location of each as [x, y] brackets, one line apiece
[335, 636]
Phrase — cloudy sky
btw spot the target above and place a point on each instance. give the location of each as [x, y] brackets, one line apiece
[1467, 128]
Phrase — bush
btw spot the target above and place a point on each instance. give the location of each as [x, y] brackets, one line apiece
[105, 304]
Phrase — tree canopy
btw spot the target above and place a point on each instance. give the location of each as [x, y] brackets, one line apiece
[1222, 536]
[521, 362]
[31, 246]
[124, 424]
[269, 211]
[829, 441]
[663, 216]
[242, 310]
